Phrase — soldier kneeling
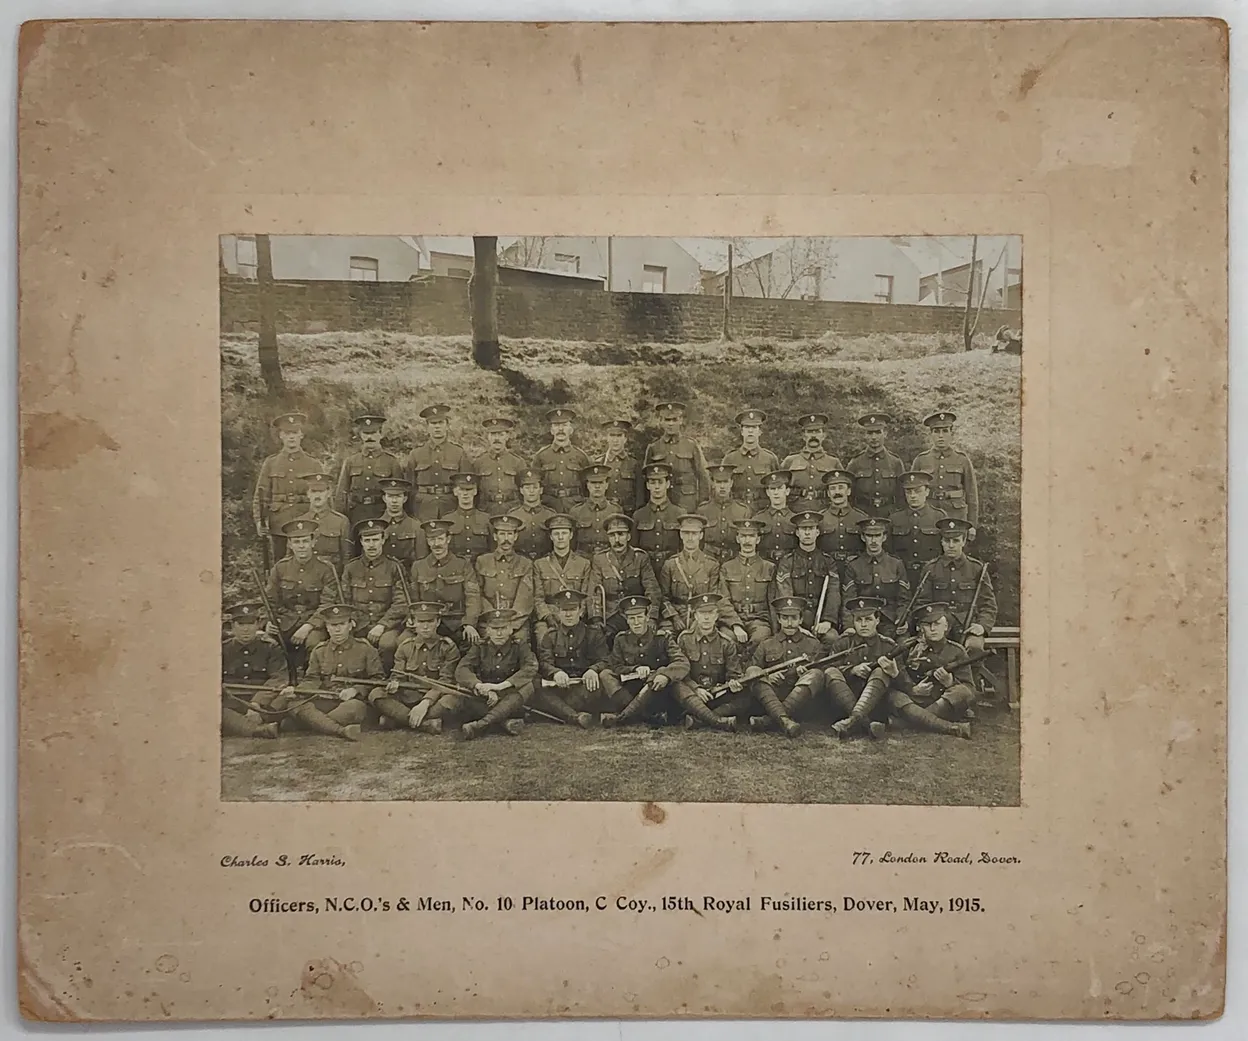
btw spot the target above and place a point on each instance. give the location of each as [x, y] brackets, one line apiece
[640, 666]
[423, 656]
[943, 693]
[499, 671]
[336, 707]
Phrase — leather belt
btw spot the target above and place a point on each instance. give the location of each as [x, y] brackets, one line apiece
[497, 497]
[367, 500]
[564, 490]
[434, 489]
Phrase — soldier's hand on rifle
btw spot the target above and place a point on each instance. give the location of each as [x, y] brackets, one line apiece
[943, 676]
[286, 692]
[862, 671]
[590, 679]
[471, 634]
[975, 629]
[270, 629]
[348, 694]
[562, 679]
[393, 686]
[660, 680]
[417, 715]
[741, 635]
[890, 667]
[822, 628]
[643, 672]
[301, 634]
[752, 673]
[736, 686]
[484, 688]
[376, 633]
[703, 694]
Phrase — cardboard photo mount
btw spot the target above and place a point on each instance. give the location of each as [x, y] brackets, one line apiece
[141, 142]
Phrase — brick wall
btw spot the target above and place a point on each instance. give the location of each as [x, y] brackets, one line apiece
[439, 306]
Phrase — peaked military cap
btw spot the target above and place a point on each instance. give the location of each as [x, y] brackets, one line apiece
[506, 523]
[657, 470]
[777, 478]
[670, 408]
[566, 598]
[722, 470]
[751, 527]
[930, 612]
[498, 423]
[463, 480]
[597, 472]
[318, 479]
[303, 526]
[873, 526]
[371, 526]
[874, 420]
[617, 521]
[529, 475]
[692, 518]
[245, 612]
[807, 518]
[289, 421]
[561, 415]
[916, 479]
[864, 605]
[815, 419]
[634, 603]
[753, 416]
[789, 603]
[438, 527]
[338, 613]
[622, 425]
[940, 419]
[560, 520]
[706, 600]
[839, 477]
[953, 526]
[425, 610]
[394, 484]
[499, 616]
[438, 411]
[369, 421]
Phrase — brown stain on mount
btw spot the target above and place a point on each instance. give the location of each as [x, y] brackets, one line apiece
[333, 990]
[653, 813]
[53, 441]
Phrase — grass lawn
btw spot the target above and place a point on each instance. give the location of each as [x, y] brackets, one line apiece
[635, 764]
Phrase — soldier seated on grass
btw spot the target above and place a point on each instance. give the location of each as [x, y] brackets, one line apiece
[789, 644]
[500, 672]
[943, 694]
[652, 660]
[423, 655]
[713, 660]
[857, 684]
[570, 656]
[332, 666]
[254, 662]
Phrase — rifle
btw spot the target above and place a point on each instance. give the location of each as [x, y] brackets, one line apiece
[287, 651]
[277, 713]
[903, 619]
[265, 554]
[407, 591]
[970, 611]
[823, 600]
[962, 662]
[451, 688]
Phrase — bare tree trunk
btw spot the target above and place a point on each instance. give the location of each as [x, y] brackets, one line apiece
[270, 363]
[968, 330]
[726, 334]
[483, 300]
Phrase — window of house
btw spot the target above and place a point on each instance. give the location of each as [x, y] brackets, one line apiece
[568, 262]
[245, 255]
[363, 269]
[653, 279]
[459, 272]
[883, 289]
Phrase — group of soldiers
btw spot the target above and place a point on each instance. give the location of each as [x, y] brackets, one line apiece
[446, 592]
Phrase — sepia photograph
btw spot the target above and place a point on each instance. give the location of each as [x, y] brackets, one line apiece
[621, 518]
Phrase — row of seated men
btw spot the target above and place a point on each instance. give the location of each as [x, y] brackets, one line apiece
[701, 674]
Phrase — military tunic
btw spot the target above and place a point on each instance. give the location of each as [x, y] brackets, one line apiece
[375, 589]
[359, 491]
[922, 659]
[773, 651]
[953, 582]
[534, 540]
[684, 455]
[713, 659]
[507, 583]
[628, 573]
[884, 577]
[683, 576]
[436, 659]
[280, 493]
[748, 587]
[747, 485]
[497, 490]
[333, 536]
[296, 590]
[839, 533]
[429, 467]
[719, 538]
[877, 478]
[657, 530]
[860, 652]
[650, 649]
[551, 574]
[329, 665]
[778, 538]
[256, 662]
[453, 582]
[574, 650]
[591, 519]
[470, 532]
[954, 487]
[625, 485]
[914, 538]
[512, 663]
[806, 472]
[806, 571]
[405, 539]
[561, 475]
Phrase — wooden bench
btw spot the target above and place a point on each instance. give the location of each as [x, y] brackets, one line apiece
[1006, 639]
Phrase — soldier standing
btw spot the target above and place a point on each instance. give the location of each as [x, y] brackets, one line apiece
[877, 574]
[626, 485]
[651, 660]
[333, 530]
[499, 469]
[876, 470]
[809, 467]
[721, 512]
[945, 690]
[838, 531]
[359, 489]
[331, 666]
[246, 659]
[954, 487]
[506, 578]
[807, 567]
[570, 655]
[591, 515]
[777, 540]
[682, 454]
[296, 586]
[657, 522]
[405, 539]
[373, 585]
[748, 584]
[500, 671]
[559, 570]
[431, 465]
[687, 575]
[561, 462]
[279, 493]
[618, 572]
[451, 581]
[789, 644]
[963, 583]
[422, 654]
[532, 514]
[470, 527]
[713, 660]
[751, 461]
[915, 538]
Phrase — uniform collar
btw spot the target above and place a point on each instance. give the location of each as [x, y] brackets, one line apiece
[560, 448]
[749, 453]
